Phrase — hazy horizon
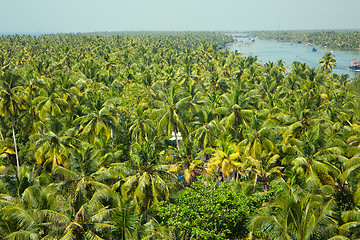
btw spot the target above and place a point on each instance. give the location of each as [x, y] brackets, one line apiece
[169, 31]
[65, 16]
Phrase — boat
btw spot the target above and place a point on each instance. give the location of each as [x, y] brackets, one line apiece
[314, 49]
[355, 65]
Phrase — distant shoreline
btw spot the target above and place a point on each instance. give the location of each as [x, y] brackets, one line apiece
[343, 40]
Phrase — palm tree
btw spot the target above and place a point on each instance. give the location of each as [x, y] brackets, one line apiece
[297, 215]
[206, 127]
[259, 151]
[125, 218]
[11, 102]
[54, 149]
[351, 226]
[188, 159]
[88, 206]
[98, 120]
[349, 178]
[236, 107]
[327, 62]
[18, 222]
[146, 177]
[168, 112]
[86, 218]
[315, 156]
[225, 158]
[23, 217]
[143, 127]
[49, 105]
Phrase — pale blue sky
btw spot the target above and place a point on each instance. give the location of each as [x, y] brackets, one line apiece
[170, 15]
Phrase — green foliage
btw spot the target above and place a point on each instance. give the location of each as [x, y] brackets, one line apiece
[343, 39]
[209, 211]
[99, 126]
[297, 214]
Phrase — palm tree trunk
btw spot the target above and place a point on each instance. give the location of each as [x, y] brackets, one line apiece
[255, 181]
[112, 139]
[177, 141]
[266, 185]
[15, 146]
[2, 137]
[236, 124]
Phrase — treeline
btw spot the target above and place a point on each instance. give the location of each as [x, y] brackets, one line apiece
[332, 39]
[171, 136]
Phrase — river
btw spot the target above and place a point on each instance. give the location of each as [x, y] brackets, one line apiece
[267, 50]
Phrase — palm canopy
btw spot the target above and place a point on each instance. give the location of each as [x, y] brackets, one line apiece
[169, 110]
[225, 158]
[206, 127]
[259, 153]
[236, 108]
[11, 101]
[114, 92]
[328, 62]
[142, 128]
[49, 105]
[54, 149]
[315, 156]
[146, 177]
[296, 214]
[98, 120]
[11, 88]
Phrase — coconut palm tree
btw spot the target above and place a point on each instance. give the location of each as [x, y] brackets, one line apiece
[236, 108]
[54, 149]
[259, 152]
[327, 62]
[142, 128]
[146, 179]
[351, 226]
[225, 159]
[11, 102]
[296, 214]
[49, 102]
[97, 120]
[206, 127]
[125, 218]
[23, 217]
[168, 112]
[315, 156]
[88, 207]
[85, 218]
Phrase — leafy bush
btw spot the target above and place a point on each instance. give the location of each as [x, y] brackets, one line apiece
[209, 211]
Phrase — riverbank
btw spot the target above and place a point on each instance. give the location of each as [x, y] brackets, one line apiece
[270, 50]
[332, 39]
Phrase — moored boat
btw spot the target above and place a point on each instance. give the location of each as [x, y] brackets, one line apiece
[355, 65]
[314, 49]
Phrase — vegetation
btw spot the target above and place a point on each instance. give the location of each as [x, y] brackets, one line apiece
[209, 211]
[172, 136]
[332, 39]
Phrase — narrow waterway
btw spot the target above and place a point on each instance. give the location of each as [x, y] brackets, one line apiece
[266, 50]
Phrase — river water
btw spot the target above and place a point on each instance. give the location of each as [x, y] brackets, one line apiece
[267, 50]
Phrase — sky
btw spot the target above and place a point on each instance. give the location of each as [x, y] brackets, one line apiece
[64, 16]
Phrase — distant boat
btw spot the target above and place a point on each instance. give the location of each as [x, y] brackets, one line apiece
[314, 49]
[355, 65]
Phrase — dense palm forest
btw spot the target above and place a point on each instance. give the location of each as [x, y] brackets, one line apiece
[333, 39]
[171, 136]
